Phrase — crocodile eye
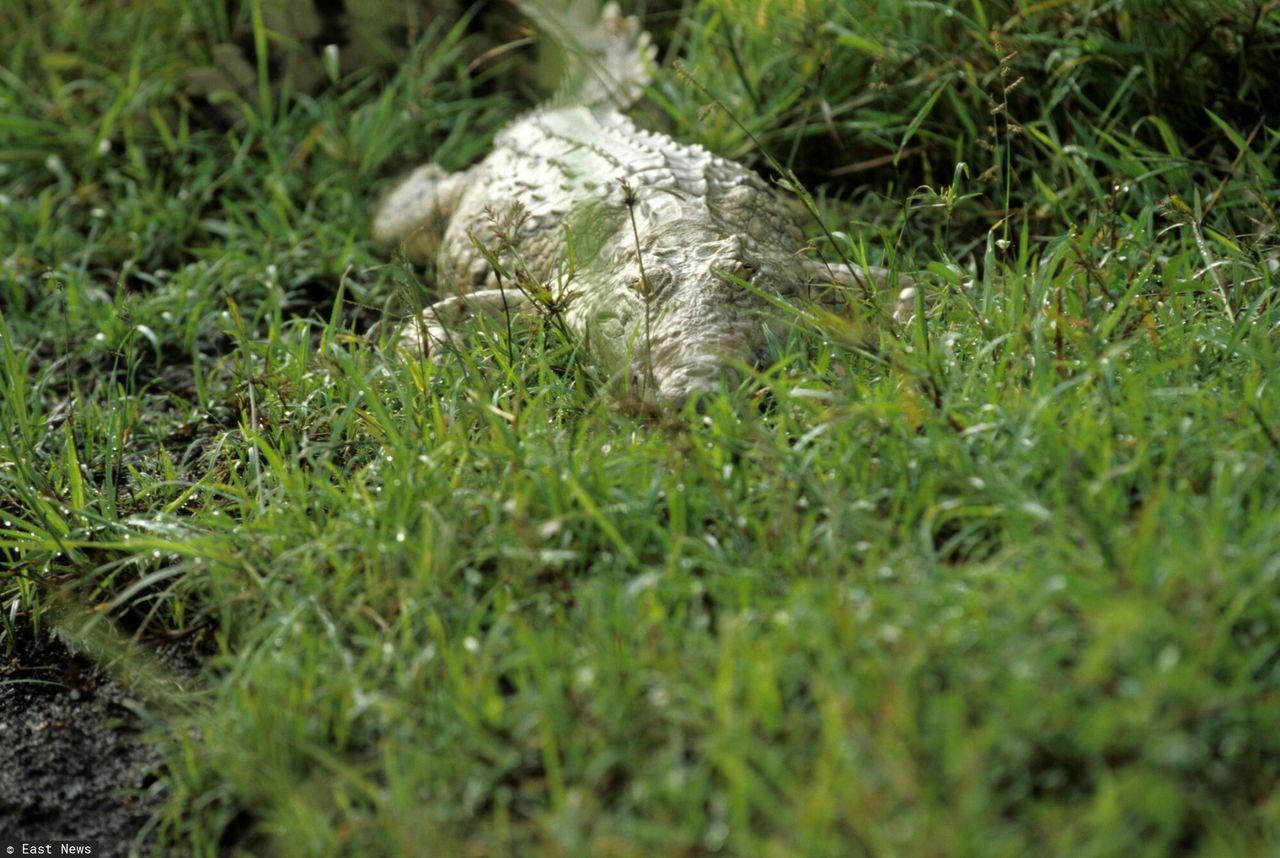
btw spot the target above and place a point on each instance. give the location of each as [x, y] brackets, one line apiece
[744, 271]
[652, 284]
[645, 287]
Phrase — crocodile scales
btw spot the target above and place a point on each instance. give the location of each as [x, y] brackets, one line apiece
[651, 241]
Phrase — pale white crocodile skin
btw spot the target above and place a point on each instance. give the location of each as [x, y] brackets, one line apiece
[646, 243]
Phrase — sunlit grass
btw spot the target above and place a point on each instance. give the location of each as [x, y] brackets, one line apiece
[1002, 580]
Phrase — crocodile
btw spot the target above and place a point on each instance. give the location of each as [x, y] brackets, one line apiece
[668, 262]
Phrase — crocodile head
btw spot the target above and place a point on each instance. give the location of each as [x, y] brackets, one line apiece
[683, 313]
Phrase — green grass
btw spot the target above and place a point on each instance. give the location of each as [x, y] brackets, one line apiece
[1003, 581]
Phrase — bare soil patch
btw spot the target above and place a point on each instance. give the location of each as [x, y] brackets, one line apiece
[73, 761]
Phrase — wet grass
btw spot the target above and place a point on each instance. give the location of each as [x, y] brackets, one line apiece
[1003, 580]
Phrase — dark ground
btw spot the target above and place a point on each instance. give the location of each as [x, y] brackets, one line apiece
[73, 761]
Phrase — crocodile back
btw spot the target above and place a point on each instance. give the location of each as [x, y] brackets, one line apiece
[584, 174]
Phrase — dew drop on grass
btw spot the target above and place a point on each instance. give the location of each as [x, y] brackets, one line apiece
[470, 644]
[718, 831]
[1036, 510]
[676, 777]
[399, 536]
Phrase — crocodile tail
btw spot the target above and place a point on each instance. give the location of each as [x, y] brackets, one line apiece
[602, 57]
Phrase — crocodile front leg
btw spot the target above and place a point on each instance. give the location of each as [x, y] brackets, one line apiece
[413, 215]
[438, 326]
[871, 279]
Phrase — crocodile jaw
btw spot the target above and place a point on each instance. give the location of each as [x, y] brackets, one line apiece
[687, 324]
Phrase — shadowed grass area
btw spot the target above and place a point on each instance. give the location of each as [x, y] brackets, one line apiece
[1003, 580]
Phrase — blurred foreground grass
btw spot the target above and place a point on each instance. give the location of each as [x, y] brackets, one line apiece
[1004, 581]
